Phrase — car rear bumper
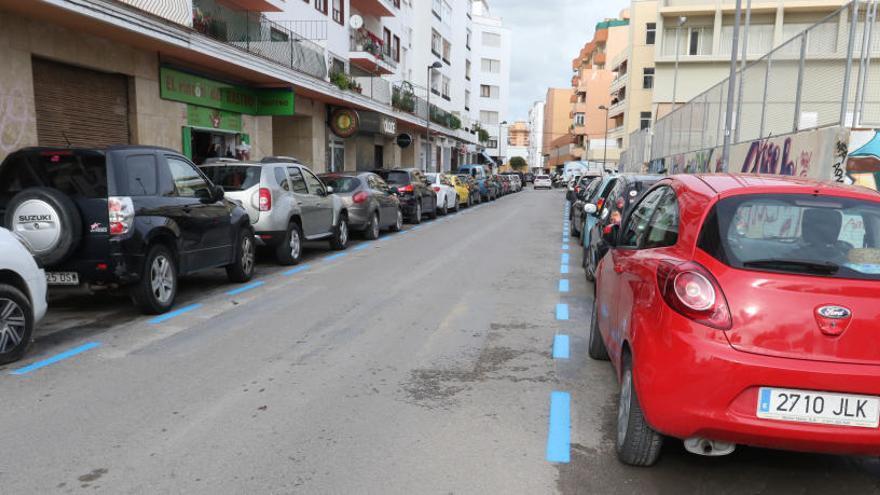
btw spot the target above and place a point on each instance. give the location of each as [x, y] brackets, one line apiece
[38, 288]
[358, 217]
[692, 383]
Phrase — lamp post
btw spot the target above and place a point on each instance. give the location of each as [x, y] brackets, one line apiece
[500, 158]
[429, 157]
[605, 151]
[681, 21]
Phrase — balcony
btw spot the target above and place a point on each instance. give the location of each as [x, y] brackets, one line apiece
[370, 53]
[377, 8]
[617, 83]
[617, 108]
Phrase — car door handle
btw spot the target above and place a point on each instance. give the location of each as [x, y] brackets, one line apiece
[187, 209]
[618, 268]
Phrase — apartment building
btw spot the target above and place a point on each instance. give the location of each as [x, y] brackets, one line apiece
[536, 136]
[557, 139]
[518, 140]
[490, 88]
[591, 83]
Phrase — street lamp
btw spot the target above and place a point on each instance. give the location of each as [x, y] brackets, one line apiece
[681, 21]
[605, 151]
[428, 158]
[503, 122]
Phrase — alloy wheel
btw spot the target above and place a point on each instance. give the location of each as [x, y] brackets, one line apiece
[343, 232]
[623, 406]
[12, 325]
[399, 224]
[247, 254]
[295, 243]
[374, 226]
[161, 280]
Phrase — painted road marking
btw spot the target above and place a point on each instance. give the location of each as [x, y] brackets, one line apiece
[298, 269]
[560, 347]
[335, 256]
[563, 268]
[361, 247]
[563, 285]
[54, 359]
[562, 311]
[559, 434]
[245, 288]
[168, 316]
[565, 247]
[564, 259]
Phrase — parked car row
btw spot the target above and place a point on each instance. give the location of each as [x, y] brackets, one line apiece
[136, 218]
[735, 309]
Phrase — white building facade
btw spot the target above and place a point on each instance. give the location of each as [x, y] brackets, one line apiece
[536, 136]
[490, 86]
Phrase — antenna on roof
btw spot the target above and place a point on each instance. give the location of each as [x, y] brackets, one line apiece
[65, 138]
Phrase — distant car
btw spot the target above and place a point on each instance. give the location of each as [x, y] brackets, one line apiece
[581, 191]
[416, 196]
[543, 182]
[493, 183]
[287, 204]
[22, 296]
[506, 187]
[447, 197]
[588, 212]
[473, 188]
[482, 176]
[742, 309]
[371, 204]
[528, 178]
[129, 217]
[572, 183]
[461, 190]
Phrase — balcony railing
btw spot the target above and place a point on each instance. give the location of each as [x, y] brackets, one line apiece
[363, 40]
[254, 33]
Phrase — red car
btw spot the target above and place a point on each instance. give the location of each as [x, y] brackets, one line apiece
[743, 310]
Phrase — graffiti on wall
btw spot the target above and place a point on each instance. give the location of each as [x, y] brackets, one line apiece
[863, 164]
[769, 156]
[16, 120]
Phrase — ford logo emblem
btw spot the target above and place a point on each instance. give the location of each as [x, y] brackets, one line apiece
[834, 312]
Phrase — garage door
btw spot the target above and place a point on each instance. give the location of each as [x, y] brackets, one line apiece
[80, 106]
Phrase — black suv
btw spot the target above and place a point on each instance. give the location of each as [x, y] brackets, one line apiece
[133, 217]
[415, 193]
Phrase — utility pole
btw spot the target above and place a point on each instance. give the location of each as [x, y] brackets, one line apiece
[731, 87]
[742, 70]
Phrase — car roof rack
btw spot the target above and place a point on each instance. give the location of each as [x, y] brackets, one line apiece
[221, 159]
[282, 159]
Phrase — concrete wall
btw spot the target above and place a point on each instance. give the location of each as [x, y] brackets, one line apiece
[304, 135]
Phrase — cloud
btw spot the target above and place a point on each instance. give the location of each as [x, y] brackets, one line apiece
[547, 35]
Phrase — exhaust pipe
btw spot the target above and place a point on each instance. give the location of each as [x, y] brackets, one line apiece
[706, 447]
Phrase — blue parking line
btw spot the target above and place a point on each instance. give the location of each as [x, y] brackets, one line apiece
[361, 247]
[563, 285]
[335, 256]
[564, 259]
[563, 268]
[298, 269]
[560, 347]
[172, 314]
[54, 359]
[559, 434]
[245, 288]
[562, 311]
[565, 247]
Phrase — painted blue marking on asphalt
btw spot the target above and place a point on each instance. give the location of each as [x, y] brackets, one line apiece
[54, 359]
[335, 256]
[361, 247]
[559, 434]
[563, 285]
[560, 347]
[298, 269]
[563, 268]
[562, 311]
[564, 259]
[245, 288]
[168, 316]
[565, 247]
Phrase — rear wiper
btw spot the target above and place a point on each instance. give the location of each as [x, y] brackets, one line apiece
[795, 265]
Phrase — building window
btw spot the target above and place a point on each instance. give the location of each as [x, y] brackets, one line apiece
[491, 65]
[386, 42]
[447, 51]
[650, 33]
[436, 43]
[488, 91]
[491, 39]
[691, 41]
[579, 119]
[488, 117]
[648, 77]
[467, 39]
[395, 48]
[645, 120]
[444, 88]
[435, 82]
[436, 8]
[339, 12]
[467, 99]
[492, 143]
[467, 70]
[321, 6]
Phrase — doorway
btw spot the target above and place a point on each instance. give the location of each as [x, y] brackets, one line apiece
[378, 156]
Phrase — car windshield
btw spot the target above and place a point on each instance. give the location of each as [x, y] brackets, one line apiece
[233, 177]
[432, 178]
[542, 177]
[340, 183]
[397, 177]
[827, 236]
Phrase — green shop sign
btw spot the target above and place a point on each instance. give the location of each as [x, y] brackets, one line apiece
[213, 118]
[188, 88]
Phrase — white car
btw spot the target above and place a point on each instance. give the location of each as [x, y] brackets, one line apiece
[22, 296]
[447, 198]
[543, 181]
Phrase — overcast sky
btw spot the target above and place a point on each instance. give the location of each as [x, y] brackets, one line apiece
[547, 35]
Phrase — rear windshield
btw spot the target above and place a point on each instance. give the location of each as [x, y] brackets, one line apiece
[823, 236]
[75, 173]
[341, 184]
[233, 177]
[542, 177]
[397, 177]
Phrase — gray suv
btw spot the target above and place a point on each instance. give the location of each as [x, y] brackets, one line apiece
[286, 202]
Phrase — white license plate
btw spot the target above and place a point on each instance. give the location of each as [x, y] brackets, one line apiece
[62, 278]
[806, 406]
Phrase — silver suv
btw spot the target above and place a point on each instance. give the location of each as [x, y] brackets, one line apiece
[286, 202]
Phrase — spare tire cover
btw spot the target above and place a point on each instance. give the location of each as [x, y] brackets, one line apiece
[49, 220]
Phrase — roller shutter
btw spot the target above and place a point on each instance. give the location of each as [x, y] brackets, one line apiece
[85, 107]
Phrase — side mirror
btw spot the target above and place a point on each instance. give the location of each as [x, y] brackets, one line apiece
[218, 193]
[609, 234]
[590, 209]
[329, 190]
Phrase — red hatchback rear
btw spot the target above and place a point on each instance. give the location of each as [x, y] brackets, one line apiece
[744, 310]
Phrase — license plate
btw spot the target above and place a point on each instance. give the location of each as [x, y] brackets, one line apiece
[62, 278]
[805, 406]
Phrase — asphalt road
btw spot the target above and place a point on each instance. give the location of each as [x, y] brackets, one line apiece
[419, 363]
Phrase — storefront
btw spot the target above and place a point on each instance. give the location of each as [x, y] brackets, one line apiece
[367, 137]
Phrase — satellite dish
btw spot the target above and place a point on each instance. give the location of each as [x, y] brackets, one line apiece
[356, 21]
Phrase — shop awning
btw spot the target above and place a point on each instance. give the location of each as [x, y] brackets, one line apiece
[488, 157]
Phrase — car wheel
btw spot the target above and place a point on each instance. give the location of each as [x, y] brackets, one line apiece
[289, 252]
[445, 210]
[434, 210]
[339, 241]
[574, 231]
[242, 269]
[417, 216]
[372, 232]
[596, 347]
[637, 443]
[398, 224]
[157, 288]
[457, 205]
[16, 323]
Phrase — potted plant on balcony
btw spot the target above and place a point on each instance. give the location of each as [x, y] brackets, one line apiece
[340, 80]
[403, 97]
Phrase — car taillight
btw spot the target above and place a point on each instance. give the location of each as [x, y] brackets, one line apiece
[406, 189]
[120, 211]
[359, 197]
[577, 189]
[620, 203]
[265, 199]
[436, 189]
[692, 291]
[599, 203]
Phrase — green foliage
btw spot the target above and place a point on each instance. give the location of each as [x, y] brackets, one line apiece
[518, 163]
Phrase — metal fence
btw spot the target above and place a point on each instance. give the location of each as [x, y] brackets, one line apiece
[821, 77]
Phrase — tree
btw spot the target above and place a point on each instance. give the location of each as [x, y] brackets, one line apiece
[518, 163]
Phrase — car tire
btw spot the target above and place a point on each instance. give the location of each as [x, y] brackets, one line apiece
[637, 443]
[457, 205]
[289, 251]
[340, 238]
[397, 226]
[574, 231]
[156, 291]
[433, 214]
[417, 214]
[372, 231]
[63, 216]
[242, 268]
[16, 323]
[596, 346]
[444, 211]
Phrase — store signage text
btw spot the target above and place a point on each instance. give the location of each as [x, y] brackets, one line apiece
[344, 122]
[188, 88]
